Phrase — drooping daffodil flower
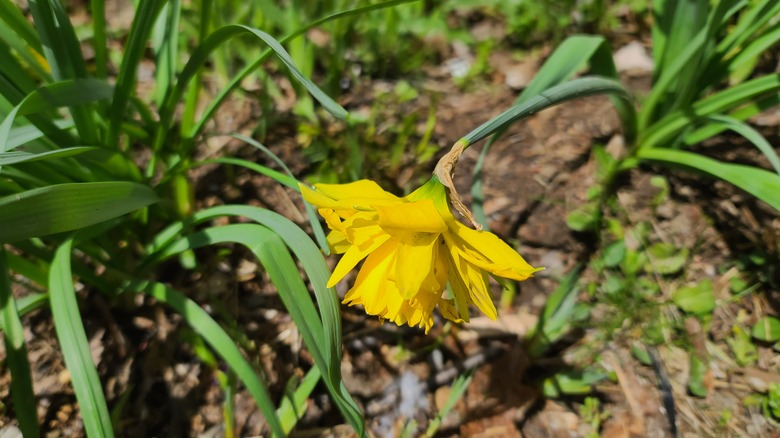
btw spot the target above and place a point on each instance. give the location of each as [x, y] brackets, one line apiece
[411, 248]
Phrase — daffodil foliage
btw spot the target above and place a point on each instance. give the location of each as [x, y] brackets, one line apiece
[412, 247]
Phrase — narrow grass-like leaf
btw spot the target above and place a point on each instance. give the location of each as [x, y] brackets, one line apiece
[211, 109]
[99, 41]
[666, 130]
[75, 346]
[200, 56]
[53, 96]
[11, 14]
[16, 157]
[760, 183]
[145, 15]
[567, 60]
[458, 388]
[582, 87]
[66, 207]
[203, 324]
[316, 226]
[63, 51]
[26, 134]
[22, 394]
[263, 170]
[750, 134]
[272, 254]
[556, 315]
[293, 406]
[328, 353]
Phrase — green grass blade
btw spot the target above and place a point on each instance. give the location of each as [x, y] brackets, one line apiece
[29, 133]
[201, 55]
[22, 394]
[53, 96]
[567, 60]
[165, 44]
[760, 183]
[293, 406]
[751, 134]
[63, 51]
[316, 226]
[75, 346]
[666, 130]
[16, 157]
[556, 315]
[457, 390]
[134, 50]
[742, 113]
[11, 14]
[209, 112]
[203, 324]
[586, 86]
[328, 353]
[99, 41]
[67, 207]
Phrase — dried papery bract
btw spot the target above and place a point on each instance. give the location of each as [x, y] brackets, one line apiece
[444, 170]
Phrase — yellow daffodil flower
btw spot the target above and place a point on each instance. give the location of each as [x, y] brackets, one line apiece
[411, 247]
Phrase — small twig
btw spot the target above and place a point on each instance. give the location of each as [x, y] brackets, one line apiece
[667, 397]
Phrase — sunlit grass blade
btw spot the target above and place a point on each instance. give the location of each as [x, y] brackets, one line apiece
[556, 315]
[751, 134]
[29, 133]
[209, 112]
[16, 157]
[741, 114]
[99, 45]
[316, 226]
[75, 346]
[145, 15]
[51, 97]
[66, 207]
[670, 127]
[293, 405]
[328, 353]
[203, 324]
[63, 52]
[165, 44]
[760, 183]
[11, 14]
[22, 394]
[582, 87]
[212, 42]
[457, 390]
[567, 60]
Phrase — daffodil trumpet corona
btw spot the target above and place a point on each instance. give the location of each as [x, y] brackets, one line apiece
[411, 248]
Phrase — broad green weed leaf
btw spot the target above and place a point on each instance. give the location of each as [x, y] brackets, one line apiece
[698, 299]
[665, 258]
[696, 376]
[767, 329]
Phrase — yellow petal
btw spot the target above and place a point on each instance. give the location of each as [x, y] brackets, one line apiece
[359, 189]
[353, 256]
[371, 285]
[338, 242]
[448, 310]
[419, 216]
[415, 261]
[473, 281]
[487, 251]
